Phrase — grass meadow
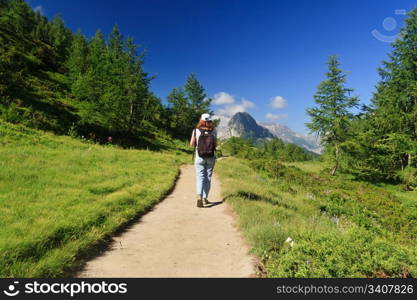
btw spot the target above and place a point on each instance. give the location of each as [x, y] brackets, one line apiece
[338, 227]
[60, 197]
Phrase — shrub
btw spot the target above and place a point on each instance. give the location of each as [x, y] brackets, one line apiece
[409, 178]
[356, 253]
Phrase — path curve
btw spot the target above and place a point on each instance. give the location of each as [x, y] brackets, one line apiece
[177, 239]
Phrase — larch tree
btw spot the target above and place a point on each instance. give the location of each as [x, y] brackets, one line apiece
[395, 101]
[331, 118]
[186, 104]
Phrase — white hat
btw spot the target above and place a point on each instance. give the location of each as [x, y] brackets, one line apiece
[206, 117]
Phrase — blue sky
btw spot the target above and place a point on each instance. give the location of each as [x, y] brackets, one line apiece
[263, 57]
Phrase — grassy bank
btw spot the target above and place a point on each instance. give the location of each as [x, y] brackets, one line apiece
[339, 227]
[59, 197]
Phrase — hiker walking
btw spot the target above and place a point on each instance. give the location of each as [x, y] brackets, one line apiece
[204, 141]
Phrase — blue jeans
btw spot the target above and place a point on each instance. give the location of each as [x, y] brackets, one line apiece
[203, 170]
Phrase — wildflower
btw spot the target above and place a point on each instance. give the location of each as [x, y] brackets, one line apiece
[289, 241]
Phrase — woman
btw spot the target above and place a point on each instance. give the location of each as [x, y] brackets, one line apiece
[204, 156]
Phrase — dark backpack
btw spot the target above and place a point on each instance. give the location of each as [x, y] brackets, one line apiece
[206, 144]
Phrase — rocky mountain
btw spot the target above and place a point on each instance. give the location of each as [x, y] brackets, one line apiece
[288, 136]
[244, 125]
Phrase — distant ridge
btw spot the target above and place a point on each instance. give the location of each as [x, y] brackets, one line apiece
[242, 124]
[288, 136]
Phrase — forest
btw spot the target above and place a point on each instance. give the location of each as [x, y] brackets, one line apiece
[57, 80]
[80, 125]
[54, 79]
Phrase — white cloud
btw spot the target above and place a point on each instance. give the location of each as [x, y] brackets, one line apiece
[230, 110]
[275, 117]
[223, 119]
[279, 102]
[247, 103]
[223, 98]
[230, 106]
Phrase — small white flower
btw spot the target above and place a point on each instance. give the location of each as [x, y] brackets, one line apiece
[290, 242]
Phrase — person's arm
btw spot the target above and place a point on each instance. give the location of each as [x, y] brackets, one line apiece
[192, 140]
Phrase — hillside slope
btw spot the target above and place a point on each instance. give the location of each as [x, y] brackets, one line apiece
[61, 196]
[305, 223]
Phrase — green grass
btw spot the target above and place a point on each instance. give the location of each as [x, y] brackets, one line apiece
[340, 227]
[60, 197]
[308, 166]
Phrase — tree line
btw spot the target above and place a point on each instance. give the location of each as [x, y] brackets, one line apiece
[54, 79]
[380, 141]
[272, 149]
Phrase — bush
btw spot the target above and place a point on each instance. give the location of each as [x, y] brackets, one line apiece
[409, 177]
[219, 153]
[326, 255]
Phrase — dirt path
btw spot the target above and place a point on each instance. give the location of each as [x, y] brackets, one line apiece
[177, 239]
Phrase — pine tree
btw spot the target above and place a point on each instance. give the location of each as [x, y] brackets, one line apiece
[136, 89]
[331, 118]
[197, 98]
[395, 101]
[51, 78]
[77, 60]
[41, 31]
[115, 43]
[179, 110]
[138, 100]
[21, 16]
[385, 142]
[186, 106]
[113, 101]
[88, 87]
[61, 38]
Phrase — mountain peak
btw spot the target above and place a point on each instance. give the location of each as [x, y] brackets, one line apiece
[242, 124]
[243, 117]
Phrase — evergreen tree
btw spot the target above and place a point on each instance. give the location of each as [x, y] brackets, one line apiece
[395, 101]
[41, 31]
[51, 78]
[77, 60]
[88, 87]
[196, 94]
[179, 110]
[135, 84]
[385, 143]
[60, 37]
[138, 103]
[331, 118]
[113, 101]
[115, 43]
[20, 14]
[186, 106]
[197, 97]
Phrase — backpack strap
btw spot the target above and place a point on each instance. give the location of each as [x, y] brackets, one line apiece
[195, 142]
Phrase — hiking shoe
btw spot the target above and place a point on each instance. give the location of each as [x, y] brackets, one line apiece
[199, 203]
[205, 201]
